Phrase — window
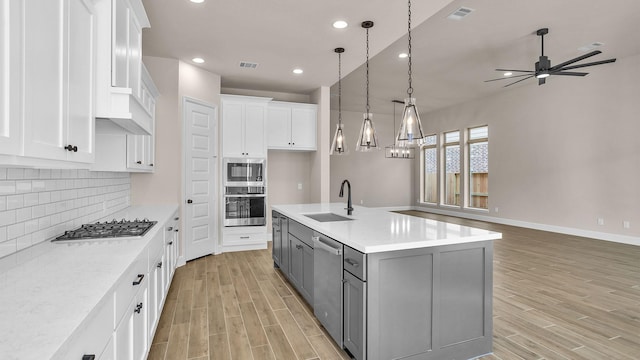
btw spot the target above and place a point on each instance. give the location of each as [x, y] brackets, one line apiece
[430, 175]
[452, 168]
[479, 167]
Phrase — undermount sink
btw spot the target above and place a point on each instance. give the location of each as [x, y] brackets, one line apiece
[327, 217]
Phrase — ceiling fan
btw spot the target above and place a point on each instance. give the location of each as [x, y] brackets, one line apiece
[543, 68]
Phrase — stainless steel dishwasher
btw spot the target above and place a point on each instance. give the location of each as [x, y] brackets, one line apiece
[327, 284]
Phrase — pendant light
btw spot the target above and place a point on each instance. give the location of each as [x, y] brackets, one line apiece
[367, 140]
[394, 151]
[410, 133]
[339, 143]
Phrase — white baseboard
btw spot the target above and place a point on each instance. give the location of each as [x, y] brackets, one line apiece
[624, 239]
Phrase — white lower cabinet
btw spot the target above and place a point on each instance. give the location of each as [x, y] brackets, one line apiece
[131, 334]
[242, 238]
[123, 325]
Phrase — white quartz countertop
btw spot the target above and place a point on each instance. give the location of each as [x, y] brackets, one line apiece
[45, 299]
[375, 230]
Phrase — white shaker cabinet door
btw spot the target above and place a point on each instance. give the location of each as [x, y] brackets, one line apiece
[43, 71]
[254, 140]
[10, 135]
[303, 127]
[80, 80]
[232, 134]
[58, 80]
[278, 131]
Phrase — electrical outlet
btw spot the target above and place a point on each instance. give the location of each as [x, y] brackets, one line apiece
[299, 186]
[600, 221]
[495, 209]
[626, 224]
[361, 202]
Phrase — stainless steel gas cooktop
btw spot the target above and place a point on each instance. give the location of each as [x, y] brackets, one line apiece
[108, 229]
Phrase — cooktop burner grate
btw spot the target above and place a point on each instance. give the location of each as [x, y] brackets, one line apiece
[109, 229]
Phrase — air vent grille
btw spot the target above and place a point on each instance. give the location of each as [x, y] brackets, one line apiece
[460, 13]
[248, 65]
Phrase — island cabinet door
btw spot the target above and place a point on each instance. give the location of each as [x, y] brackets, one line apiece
[354, 321]
[296, 258]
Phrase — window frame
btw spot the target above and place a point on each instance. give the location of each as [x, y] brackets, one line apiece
[443, 169]
[423, 184]
[468, 176]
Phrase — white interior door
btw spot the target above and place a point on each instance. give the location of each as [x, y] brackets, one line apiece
[201, 163]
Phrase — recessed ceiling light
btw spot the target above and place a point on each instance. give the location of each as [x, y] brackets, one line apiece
[197, 1]
[297, 71]
[508, 73]
[403, 55]
[340, 24]
[197, 60]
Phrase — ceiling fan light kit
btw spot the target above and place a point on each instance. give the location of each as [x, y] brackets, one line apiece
[543, 68]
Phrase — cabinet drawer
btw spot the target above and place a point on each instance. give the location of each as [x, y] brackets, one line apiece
[245, 239]
[126, 290]
[156, 248]
[355, 262]
[301, 232]
[92, 336]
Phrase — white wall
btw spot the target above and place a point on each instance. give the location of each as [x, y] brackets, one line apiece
[320, 167]
[562, 154]
[375, 180]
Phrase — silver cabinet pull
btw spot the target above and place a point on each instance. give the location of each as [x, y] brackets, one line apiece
[351, 262]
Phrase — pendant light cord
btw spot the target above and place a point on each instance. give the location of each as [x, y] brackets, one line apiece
[339, 89]
[367, 72]
[410, 89]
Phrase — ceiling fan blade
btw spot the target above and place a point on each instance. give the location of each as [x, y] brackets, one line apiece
[541, 81]
[582, 57]
[588, 64]
[524, 71]
[523, 79]
[507, 77]
[569, 73]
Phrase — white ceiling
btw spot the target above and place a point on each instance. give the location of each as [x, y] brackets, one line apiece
[451, 59]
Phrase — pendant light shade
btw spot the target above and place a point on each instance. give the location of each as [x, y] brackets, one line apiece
[339, 143]
[394, 151]
[368, 140]
[410, 133]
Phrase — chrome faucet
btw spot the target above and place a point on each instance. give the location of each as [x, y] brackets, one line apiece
[349, 205]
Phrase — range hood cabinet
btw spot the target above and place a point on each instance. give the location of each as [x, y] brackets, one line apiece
[125, 93]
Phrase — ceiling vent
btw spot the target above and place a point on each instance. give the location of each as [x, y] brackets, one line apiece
[248, 65]
[590, 46]
[460, 13]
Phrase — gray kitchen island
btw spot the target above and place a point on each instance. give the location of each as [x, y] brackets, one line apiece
[389, 286]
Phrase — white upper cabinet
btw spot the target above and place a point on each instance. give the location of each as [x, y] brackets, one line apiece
[119, 88]
[58, 66]
[291, 126]
[10, 86]
[117, 150]
[243, 126]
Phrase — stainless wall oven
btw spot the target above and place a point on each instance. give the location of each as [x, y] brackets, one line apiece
[245, 206]
[243, 172]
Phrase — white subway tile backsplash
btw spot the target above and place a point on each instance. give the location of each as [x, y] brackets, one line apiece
[15, 173]
[31, 199]
[7, 187]
[15, 201]
[23, 214]
[15, 230]
[39, 204]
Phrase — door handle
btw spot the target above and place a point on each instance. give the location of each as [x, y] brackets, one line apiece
[189, 201]
[321, 245]
[298, 246]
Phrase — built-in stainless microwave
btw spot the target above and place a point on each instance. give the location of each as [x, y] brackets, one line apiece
[243, 172]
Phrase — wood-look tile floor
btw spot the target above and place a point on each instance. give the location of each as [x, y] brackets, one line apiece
[555, 297]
